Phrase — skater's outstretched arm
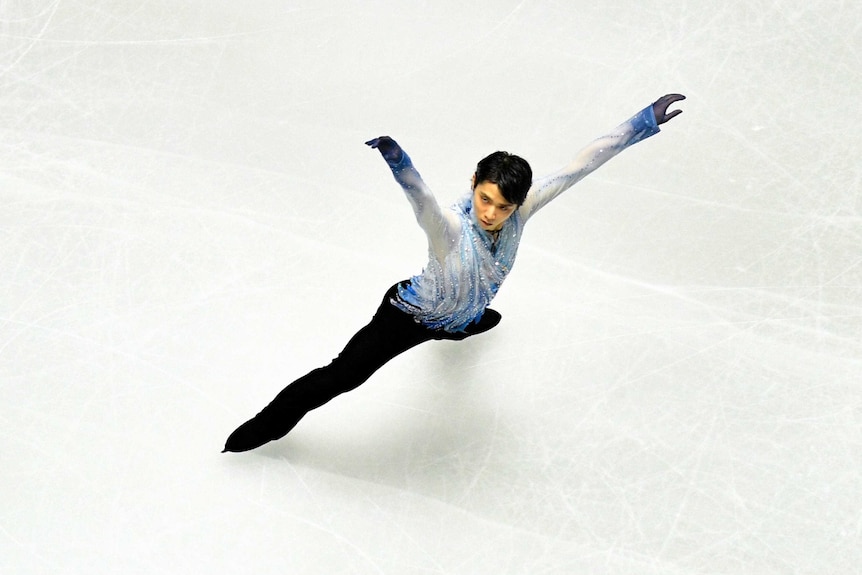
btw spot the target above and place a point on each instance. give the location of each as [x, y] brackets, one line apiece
[438, 225]
[641, 126]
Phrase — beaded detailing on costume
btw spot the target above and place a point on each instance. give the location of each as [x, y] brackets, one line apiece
[452, 294]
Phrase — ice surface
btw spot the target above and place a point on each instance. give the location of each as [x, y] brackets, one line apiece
[189, 220]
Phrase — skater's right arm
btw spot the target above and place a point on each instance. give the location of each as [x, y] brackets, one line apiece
[437, 224]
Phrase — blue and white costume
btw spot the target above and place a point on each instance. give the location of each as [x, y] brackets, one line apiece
[466, 265]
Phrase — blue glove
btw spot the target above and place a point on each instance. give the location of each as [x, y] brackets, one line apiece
[388, 148]
[661, 105]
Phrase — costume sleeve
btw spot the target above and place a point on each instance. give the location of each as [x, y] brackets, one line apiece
[639, 127]
[438, 225]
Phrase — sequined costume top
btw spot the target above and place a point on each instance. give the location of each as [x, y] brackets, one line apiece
[466, 265]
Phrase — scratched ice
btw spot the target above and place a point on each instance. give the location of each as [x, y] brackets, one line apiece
[189, 220]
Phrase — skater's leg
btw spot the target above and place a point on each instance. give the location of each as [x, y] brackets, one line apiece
[389, 333]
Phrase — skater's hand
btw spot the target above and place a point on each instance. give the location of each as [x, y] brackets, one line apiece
[388, 148]
[661, 105]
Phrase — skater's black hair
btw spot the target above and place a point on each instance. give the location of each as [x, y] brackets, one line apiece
[511, 173]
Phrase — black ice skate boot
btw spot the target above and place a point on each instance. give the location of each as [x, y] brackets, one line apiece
[266, 426]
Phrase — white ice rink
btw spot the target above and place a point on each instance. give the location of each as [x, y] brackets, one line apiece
[189, 220]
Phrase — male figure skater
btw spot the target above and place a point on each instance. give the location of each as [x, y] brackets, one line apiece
[471, 248]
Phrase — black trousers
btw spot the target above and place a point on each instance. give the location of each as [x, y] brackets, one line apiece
[390, 333]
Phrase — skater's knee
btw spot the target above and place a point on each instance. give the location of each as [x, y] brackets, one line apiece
[489, 320]
[491, 317]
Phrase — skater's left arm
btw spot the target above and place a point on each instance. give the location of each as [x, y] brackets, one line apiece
[639, 127]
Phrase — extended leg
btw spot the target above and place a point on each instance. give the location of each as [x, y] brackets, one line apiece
[389, 333]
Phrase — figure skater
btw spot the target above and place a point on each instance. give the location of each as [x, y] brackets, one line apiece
[471, 249]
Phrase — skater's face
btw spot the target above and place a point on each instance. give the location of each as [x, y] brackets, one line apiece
[490, 207]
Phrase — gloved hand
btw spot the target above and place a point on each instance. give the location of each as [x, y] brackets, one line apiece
[661, 105]
[388, 148]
